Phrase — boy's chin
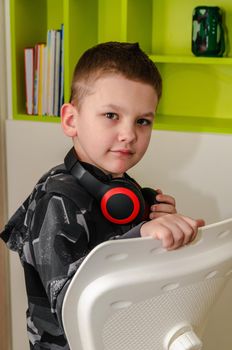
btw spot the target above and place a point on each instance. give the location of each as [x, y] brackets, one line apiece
[117, 169]
[114, 172]
[118, 172]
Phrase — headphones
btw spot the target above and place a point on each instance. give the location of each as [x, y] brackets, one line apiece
[122, 201]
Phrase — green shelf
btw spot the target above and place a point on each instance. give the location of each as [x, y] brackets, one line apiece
[193, 124]
[191, 59]
[196, 90]
[37, 118]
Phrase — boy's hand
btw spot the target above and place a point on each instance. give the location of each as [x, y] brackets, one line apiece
[174, 230]
[166, 206]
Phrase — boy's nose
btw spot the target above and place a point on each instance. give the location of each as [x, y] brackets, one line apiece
[127, 133]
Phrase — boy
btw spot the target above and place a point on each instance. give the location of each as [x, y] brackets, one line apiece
[90, 198]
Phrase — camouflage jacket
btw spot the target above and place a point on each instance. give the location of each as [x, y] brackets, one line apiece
[53, 231]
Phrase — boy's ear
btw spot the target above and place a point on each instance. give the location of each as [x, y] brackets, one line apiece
[68, 119]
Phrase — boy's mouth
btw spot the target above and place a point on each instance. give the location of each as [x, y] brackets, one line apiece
[125, 152]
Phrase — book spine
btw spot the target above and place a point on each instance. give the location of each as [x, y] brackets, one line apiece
[40, 77]
[44, 88]
[29, 78]
[57, 74]
[62, 68]
[36, 78]
[50, 71]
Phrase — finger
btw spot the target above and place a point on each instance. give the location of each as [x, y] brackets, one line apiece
[200, 222]
[156, 215]
[158, 230]
[188, 230]
[166, 199]
[163, 208]
[194, 224]
[158, 190]
[178, 236]
[182, 228]
[172, 234]
[164, 234]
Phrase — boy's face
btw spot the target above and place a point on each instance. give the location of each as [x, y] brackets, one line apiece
[114, 122]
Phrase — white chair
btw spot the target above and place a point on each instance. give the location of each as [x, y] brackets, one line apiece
[134, 295]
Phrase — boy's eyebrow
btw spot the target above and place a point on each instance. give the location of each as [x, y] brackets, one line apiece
[112, 106]
[148, 114]
[115, 107]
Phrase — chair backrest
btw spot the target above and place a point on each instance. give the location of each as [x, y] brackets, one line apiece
[134, 295]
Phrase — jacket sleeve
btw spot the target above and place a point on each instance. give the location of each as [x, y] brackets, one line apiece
[132, 233]
[58, 244]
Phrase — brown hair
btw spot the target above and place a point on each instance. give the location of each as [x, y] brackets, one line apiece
[114, 57]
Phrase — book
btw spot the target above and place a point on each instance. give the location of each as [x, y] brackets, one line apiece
[36, 78]
[44, 75]
[44, 84]
[62, 68]
[40, 76]
[57, 74]
[29, 78]
[50, 70]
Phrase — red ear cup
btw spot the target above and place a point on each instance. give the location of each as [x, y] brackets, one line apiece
[121, 205]
[121, 200]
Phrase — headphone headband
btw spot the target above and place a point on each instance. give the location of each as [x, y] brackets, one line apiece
[90, 182]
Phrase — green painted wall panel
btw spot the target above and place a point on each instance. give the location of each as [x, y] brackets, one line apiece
[197, 91]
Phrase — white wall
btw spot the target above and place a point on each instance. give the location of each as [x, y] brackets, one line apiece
[32, 148]
[195, 168]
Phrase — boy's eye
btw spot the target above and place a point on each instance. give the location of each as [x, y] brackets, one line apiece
[143, 121]
[111, 115]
